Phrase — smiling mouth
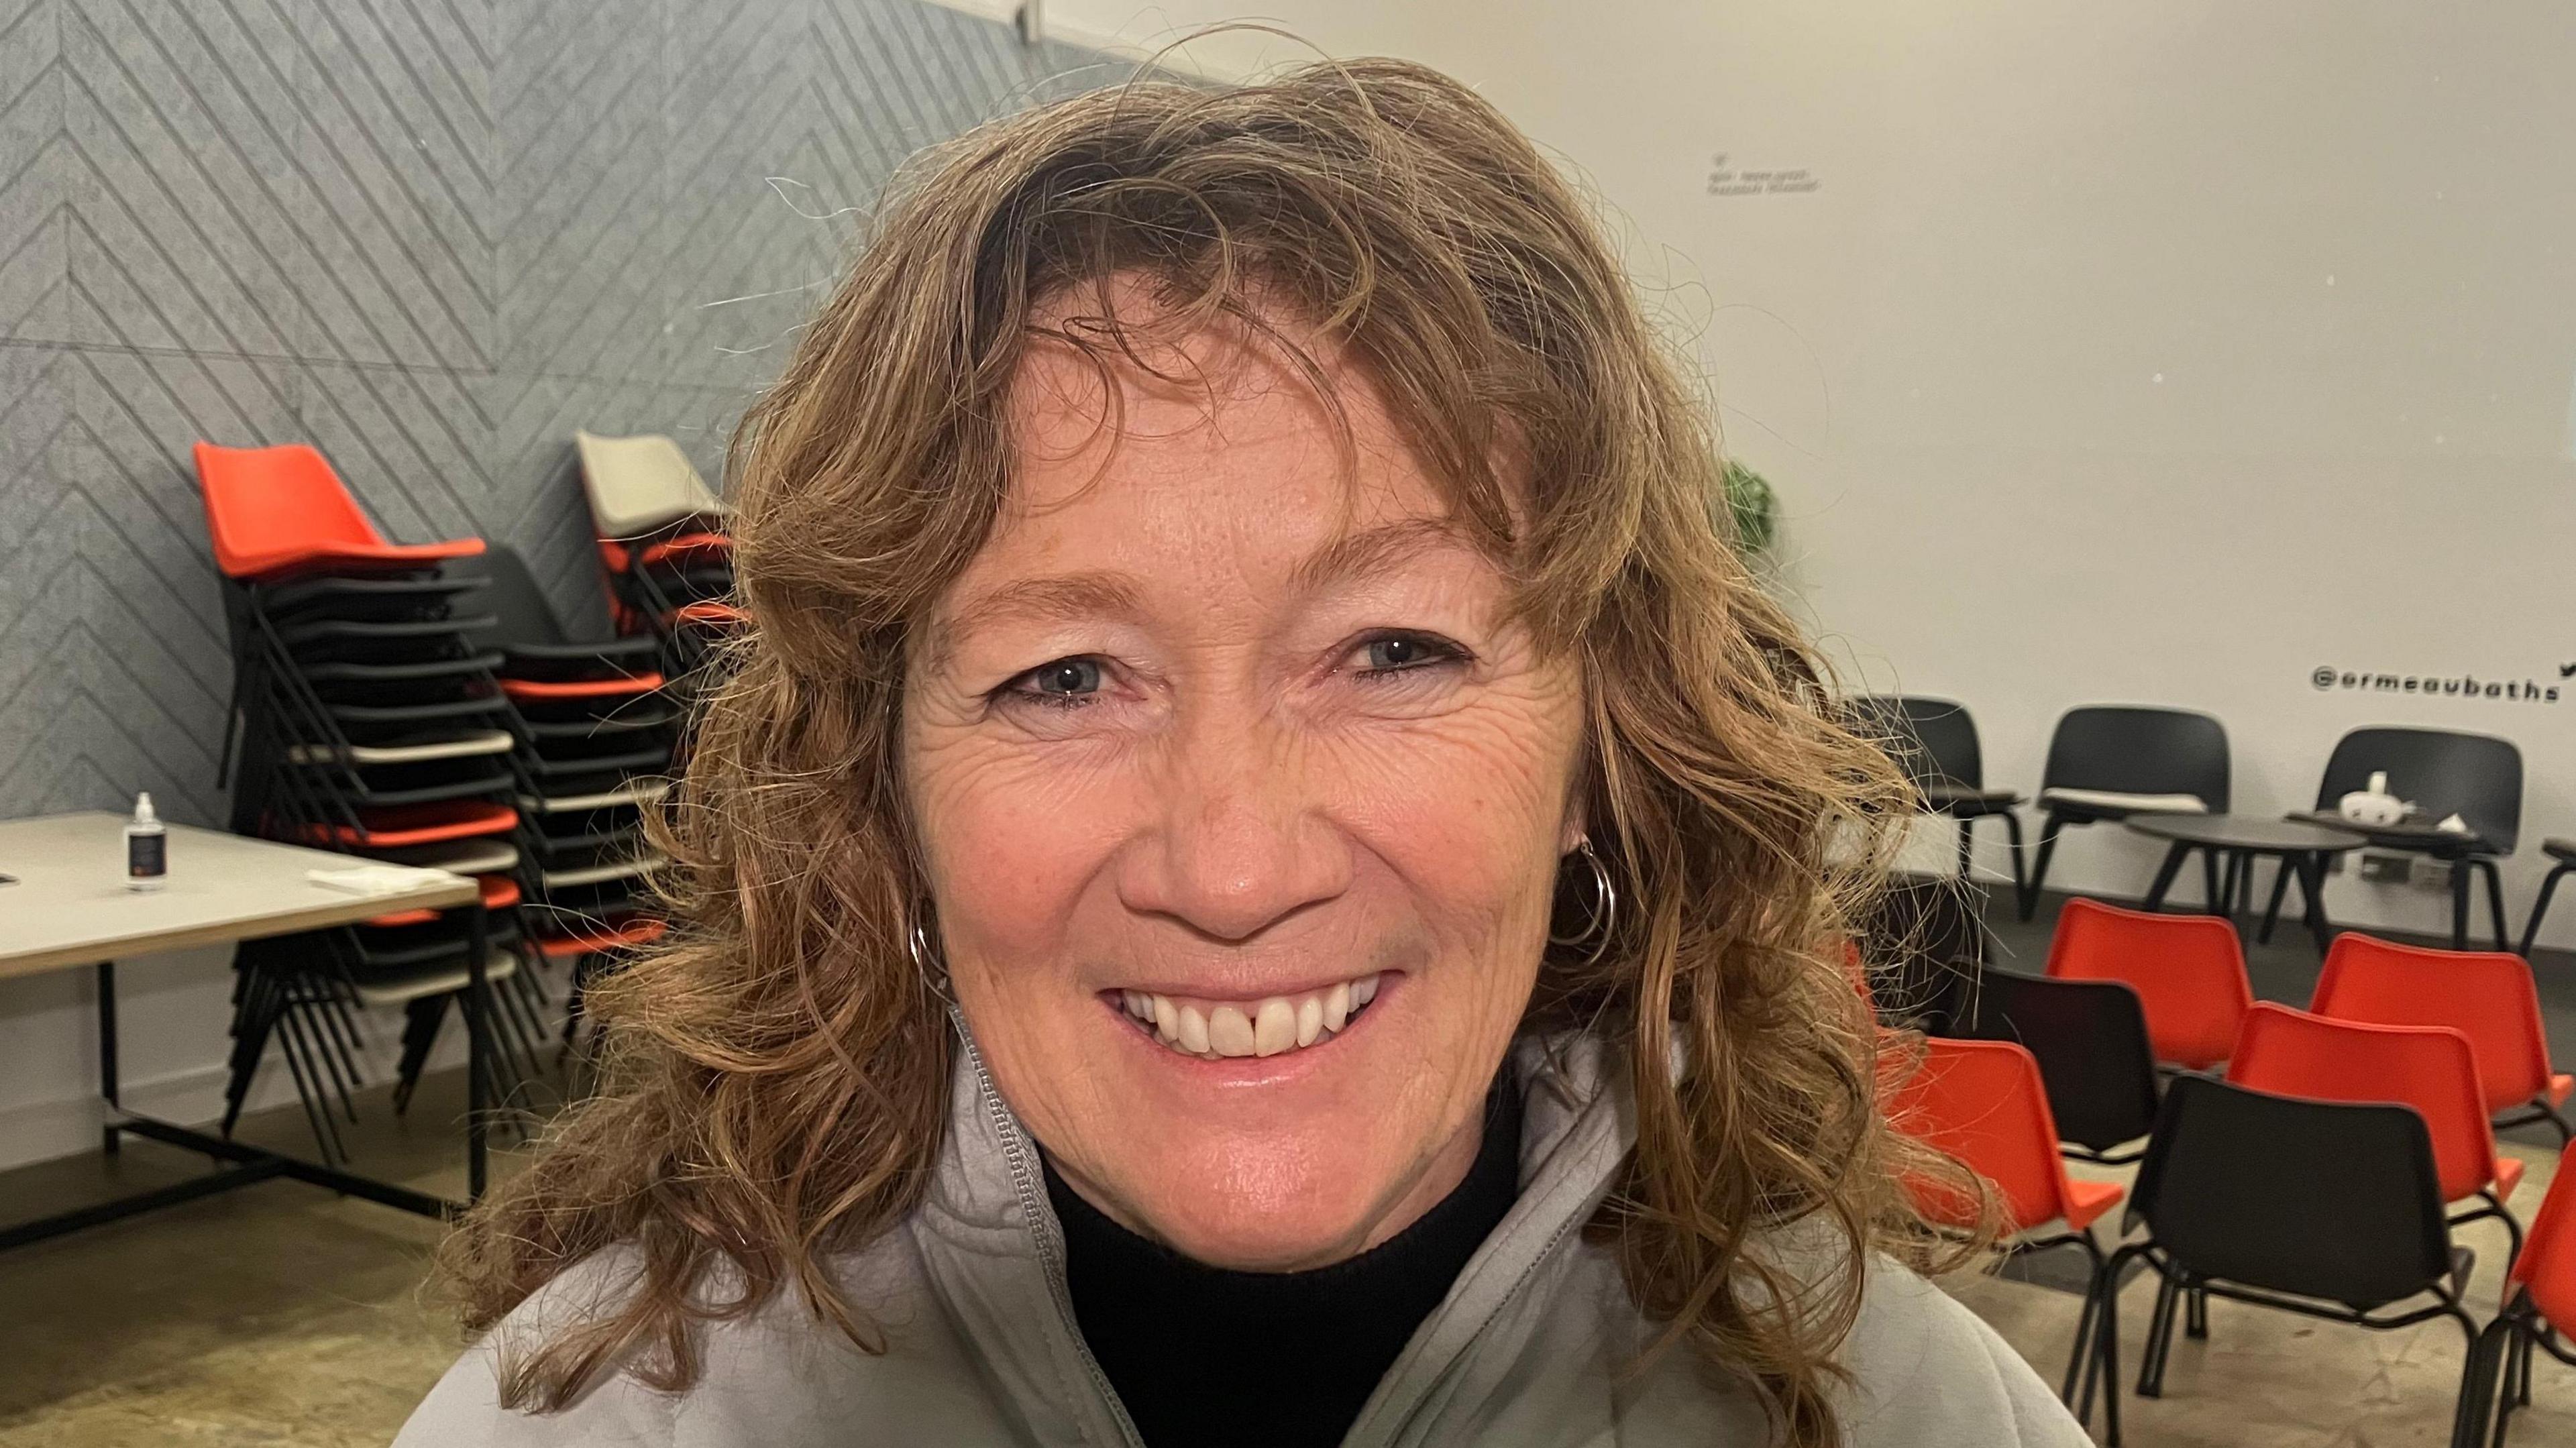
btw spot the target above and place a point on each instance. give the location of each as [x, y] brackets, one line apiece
[1272, 1026]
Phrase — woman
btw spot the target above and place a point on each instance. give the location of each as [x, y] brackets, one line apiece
[1265, 876]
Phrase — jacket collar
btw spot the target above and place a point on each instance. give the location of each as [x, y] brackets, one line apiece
[995, 1253]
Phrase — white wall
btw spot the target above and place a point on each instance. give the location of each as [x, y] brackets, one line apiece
[2144, 354]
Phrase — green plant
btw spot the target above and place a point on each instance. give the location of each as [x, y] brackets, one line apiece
[1753, 507]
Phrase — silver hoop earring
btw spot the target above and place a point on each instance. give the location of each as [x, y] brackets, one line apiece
[1604, 917]
[933, 975]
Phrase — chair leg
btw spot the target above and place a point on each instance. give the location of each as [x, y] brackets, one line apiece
[2151, 1372]
[2540, 908]
[2039, 864]
[2081, 1353]
[2486, 1376]
[2103, 1370]
[2196, 1314]
[2459, 904]
[2012, 842]
[2495, 901]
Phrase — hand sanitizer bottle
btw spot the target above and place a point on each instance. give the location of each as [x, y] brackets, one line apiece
[147, 847]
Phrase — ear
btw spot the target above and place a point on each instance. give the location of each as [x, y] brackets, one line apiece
[1576, 826]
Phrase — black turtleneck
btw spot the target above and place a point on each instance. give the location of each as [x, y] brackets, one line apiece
[1272, 1359]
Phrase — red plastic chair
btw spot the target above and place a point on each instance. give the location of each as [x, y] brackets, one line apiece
[2487, 996]
[2540, 1294]
[2188, 971]
[1983, 1102]
[2430, 1068]
[277, 511]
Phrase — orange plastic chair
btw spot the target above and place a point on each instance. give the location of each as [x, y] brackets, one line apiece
[551, 689]
[1983, 1102]
[2188, 971]
[2540, 1296]
[2432, 1069]
[277, 511]
[593, 937]
[2485, 995]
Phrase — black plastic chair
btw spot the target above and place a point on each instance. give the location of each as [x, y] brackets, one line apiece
[2327, 1209]
[1921, 946]
[2090, 1038]
[2563, 852]
[2442, 772]
[2107, 762]
[1935, 742]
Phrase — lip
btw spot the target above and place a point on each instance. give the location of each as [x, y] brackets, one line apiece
[1235, 1073]
[1206, 990]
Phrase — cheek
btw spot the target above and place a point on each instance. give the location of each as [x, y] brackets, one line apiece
[1011, 838]
[1468, 809]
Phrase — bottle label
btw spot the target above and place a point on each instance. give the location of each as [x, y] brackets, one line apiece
[146, 856]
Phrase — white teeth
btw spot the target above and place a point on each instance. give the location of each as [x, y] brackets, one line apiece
[1229, 1033]
[1275, 1029]
[1216, 1031]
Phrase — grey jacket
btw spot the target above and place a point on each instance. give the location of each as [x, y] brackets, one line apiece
[1527, 1349]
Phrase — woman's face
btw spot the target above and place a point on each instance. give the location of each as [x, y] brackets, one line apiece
[1242, 805]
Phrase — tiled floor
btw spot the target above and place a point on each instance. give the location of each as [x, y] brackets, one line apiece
[280, 1316]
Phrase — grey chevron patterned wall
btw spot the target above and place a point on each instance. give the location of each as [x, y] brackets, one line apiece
[431, 237]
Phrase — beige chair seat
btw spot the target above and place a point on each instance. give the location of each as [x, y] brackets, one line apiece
[2109, 800]
[640, 484]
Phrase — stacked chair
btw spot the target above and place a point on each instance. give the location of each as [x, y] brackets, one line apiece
[366, 719]
[662, 542]
[596, 734]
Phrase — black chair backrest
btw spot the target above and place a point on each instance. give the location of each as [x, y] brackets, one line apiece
[2090, 1038]
[1933, 740]
[2475, 776]
[2134, 749]
[1922, 945]
[512, 595]
[2321, 1199]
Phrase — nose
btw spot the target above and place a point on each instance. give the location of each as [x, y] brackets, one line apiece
[1241, 841]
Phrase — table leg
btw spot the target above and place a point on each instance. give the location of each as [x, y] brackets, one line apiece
[2165, 875]
[107, 1071]
[2312, 883]
[2289, 865]
[2213, 890]
[476, 1025]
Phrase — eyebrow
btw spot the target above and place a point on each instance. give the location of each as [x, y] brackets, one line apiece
[1071, 597]
[1053, 599]
[1374, 550]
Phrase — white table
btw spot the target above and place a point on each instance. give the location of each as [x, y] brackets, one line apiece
[69, 907]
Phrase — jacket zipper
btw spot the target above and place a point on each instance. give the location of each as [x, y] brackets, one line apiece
[1050, 1240]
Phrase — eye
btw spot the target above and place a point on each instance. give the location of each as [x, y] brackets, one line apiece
[1063, 682]
[1397, 653]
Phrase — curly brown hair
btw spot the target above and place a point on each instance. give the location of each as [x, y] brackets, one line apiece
[775, 1077]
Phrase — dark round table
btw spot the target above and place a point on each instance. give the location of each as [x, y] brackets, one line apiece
[2235, 842]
